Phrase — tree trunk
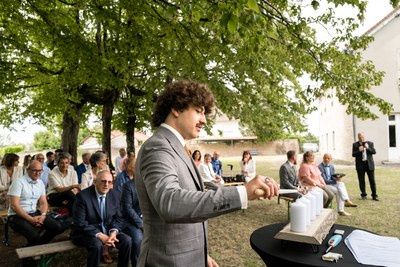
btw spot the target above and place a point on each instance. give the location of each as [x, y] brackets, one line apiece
[130, 133]
[107, 112]
[70, 126]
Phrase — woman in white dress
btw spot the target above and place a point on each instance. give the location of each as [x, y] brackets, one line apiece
[248, 166]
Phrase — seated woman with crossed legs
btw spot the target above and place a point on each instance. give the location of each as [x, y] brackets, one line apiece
[310, 176]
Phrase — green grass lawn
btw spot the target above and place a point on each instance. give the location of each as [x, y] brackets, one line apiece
[229, 234]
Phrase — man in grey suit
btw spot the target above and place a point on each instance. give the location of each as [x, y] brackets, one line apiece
[174, 205]
[288, 174]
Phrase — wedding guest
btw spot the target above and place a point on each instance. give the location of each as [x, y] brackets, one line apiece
[9, 172]
[207, 173]
[248, 166]
[310, 176]
[98, 162]
[335, 184]
[196, 156]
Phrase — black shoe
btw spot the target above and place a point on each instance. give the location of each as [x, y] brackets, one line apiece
[364, 198]
[375, 198]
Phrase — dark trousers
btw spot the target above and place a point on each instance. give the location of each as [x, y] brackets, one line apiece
[136, 235]
[66, 198]
[95, 249]
[36, 235]
[371, 178]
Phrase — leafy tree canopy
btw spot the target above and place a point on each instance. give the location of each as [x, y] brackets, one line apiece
[46, 140]
[252, 53]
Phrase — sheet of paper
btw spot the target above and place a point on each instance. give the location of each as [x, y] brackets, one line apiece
[373, 249]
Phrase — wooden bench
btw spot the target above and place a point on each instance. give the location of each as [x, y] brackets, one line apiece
[46, 251]
[4, 219]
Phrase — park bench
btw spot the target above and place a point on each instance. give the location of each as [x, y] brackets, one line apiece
[3, 217]
[46, 252]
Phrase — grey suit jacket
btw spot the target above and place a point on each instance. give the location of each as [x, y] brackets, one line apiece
[288, 176]
[174, 206]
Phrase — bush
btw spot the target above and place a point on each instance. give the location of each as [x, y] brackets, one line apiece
[46, 140]
[12, 149]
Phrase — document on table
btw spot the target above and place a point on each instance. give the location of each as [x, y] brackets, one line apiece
[373, 249]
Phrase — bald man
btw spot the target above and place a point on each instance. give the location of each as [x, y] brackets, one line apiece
[363, 151]
[28, 208]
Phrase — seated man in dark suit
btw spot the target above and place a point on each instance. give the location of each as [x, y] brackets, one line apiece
[98, 223]
[133, 218]
[288, 174]
[83, 167]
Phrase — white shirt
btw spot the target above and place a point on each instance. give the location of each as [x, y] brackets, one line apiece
[250, 168]
[241, 189]
[28, 191]
[118, 164]
[87, 179]
[56, 179]
[207, 173]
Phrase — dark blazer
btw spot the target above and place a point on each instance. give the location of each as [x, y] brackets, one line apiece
[328, 180]
[130, 205]
[80, 169]
[86, 213]
[288, 176]
[358, 155]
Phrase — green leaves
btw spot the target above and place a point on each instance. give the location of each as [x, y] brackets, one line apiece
[233, 23]
[253, 54]
[252, 4]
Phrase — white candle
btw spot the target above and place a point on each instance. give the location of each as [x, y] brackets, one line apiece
[313, 201]
[319, 202]
[298, 217]
[307, 203]
[321, 198]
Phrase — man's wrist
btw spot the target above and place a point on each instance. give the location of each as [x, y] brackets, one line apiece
[44, 213]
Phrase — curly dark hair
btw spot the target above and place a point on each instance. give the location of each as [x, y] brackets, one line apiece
[180, 95]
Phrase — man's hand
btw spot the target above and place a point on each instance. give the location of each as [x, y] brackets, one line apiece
[269, 187]
[103, 238]
[211, 262]
[366, 146]
[361, 148]
[41, 219]
[36, 221]
[112, 239]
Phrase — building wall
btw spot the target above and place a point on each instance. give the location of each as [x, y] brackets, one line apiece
[336, 129]
[384, 51]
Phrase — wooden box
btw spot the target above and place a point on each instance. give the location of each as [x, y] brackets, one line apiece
[315, 233]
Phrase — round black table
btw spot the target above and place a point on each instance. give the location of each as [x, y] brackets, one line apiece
[274, 252]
